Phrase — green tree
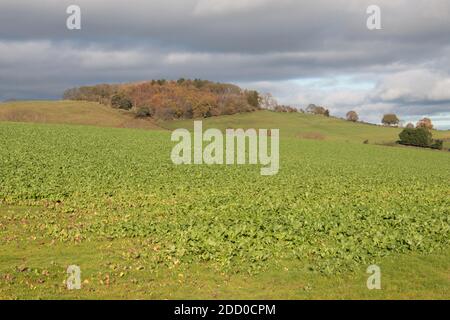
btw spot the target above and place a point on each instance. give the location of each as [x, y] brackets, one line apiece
[390, 119]
[253, 98]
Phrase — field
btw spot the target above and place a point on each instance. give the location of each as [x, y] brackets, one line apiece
[306, 126]
[111, 201]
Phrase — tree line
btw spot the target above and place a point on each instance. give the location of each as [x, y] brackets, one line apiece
[169, 99]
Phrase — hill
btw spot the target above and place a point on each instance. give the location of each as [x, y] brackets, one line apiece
[71, 112]
[303, 126]
[292, 125]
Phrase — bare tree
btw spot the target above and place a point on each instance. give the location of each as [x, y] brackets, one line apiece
[268, 101]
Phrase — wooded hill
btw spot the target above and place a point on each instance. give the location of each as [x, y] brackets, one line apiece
[161, 99]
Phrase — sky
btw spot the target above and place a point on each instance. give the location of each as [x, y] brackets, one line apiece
[302, 52]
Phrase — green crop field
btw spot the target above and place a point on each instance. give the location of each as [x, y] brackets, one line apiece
[111, 201]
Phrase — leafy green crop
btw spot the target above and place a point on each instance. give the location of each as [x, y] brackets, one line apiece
[333, 205]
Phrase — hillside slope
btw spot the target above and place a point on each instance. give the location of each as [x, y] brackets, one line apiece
[293, 125]
[71, 112]
[302, 126]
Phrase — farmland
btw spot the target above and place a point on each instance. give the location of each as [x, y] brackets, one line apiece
[111, 201]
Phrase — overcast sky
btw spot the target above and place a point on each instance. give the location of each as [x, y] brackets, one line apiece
[301, 51]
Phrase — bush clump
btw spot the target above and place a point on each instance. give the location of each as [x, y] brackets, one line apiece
[420, 137]
[438, 144]
[120, 101]
[144, 112]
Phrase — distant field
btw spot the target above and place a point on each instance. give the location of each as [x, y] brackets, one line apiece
[111, 201]
[304, 126]
[70, 112]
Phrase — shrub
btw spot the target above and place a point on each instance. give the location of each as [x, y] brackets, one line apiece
[143, 112]
[120, 101]
[281, 108]
[166, 113]
[419, 137]
[437, 144]
[312, 108]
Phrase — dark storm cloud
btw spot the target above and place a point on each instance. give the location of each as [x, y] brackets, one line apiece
[246, 41]
[256, 26]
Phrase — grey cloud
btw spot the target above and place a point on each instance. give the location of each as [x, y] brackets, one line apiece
[238, 26]
[414, 86]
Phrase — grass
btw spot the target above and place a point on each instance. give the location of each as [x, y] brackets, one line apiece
[304, 126]
[111, 201]
[300, 126]
[71, 112]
